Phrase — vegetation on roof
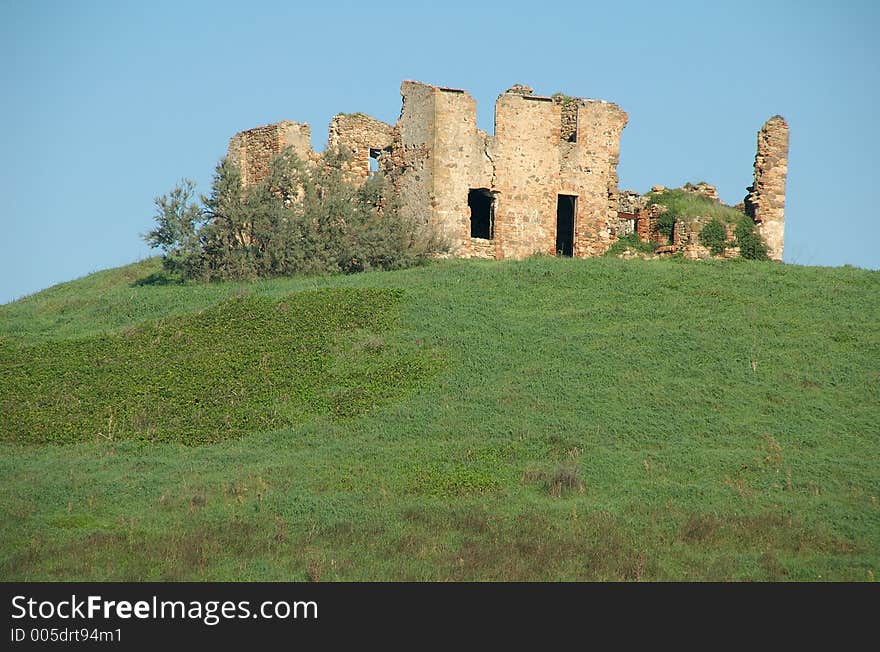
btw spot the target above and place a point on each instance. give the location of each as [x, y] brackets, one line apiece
[684, 205]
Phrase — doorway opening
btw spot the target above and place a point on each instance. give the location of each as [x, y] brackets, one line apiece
[482, 205]
[566, 208]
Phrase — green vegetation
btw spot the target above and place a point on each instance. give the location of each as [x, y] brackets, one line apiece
[714, 236]
[563, 99]
[543, 419]
[683, 205]
[248, 364]
[299, 219]
[631, 242]
[751, 245]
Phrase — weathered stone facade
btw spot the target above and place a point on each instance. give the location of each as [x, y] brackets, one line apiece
[252, 150]
[765, 202]
[490, 196]
[545, 182]
[686, 239]
[363, 137]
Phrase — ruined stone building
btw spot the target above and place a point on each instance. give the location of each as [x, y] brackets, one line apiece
[545, 182]
[765, 202]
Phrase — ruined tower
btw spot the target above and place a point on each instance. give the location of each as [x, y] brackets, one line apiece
[253, 150]
[765, 202]
[545, 182]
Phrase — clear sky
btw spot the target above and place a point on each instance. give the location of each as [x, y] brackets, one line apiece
[106, 105]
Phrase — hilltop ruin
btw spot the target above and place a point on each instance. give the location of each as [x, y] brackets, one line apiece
[545, 182]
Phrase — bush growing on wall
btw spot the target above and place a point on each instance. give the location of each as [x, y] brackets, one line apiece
[297, 220]
[751, 245]
[666, 224]
[714, 236]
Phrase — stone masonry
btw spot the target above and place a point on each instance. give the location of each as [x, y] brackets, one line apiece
[545, 182]
[363, 137]
[765, 202]
[252, 150]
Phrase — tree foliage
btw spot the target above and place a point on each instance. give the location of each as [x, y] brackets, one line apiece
[178, 223]
[299, 219]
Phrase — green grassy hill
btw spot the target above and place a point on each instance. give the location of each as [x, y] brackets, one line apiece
[544, 419]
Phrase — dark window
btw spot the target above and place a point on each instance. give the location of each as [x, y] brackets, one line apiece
[565, 212]
[482, 206]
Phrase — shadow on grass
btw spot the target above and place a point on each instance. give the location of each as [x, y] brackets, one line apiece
[158, 278]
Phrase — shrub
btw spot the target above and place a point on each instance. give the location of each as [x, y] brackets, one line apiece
[666, 224]
[714, 236]
[751, 245]
[560, 480]
[178, 220]
[297, 220]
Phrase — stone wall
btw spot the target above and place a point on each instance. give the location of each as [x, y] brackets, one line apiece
[527, 141]
[702, 188]
[765, 202]
[543, 147]
[629, 201]
[252, 150]
[411, 161]
[458, 149]
[434, 156]
[686, 238]
[647, 221]
[360, 136]
[589, 170]
[569, 126]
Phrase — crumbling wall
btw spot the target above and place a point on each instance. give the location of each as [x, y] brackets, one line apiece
[434, 156]
[647, 222]
[568, 127]
[458, 154]
[542, 147]
[629, 202]
[411, 162]
[686, 238]
[589, 170]
[703, 189]
[253, 150]
[360, 136]
[765, 202]
[527, 139]
[438, 155]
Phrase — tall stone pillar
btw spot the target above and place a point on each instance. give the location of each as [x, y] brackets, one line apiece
[765, 202]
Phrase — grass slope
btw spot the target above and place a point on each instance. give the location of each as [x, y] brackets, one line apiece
[248, 364]
[543, 419]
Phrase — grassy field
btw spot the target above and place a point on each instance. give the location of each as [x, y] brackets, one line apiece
[538, 420]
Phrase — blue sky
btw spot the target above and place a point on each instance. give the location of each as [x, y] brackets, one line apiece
[106, 105]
